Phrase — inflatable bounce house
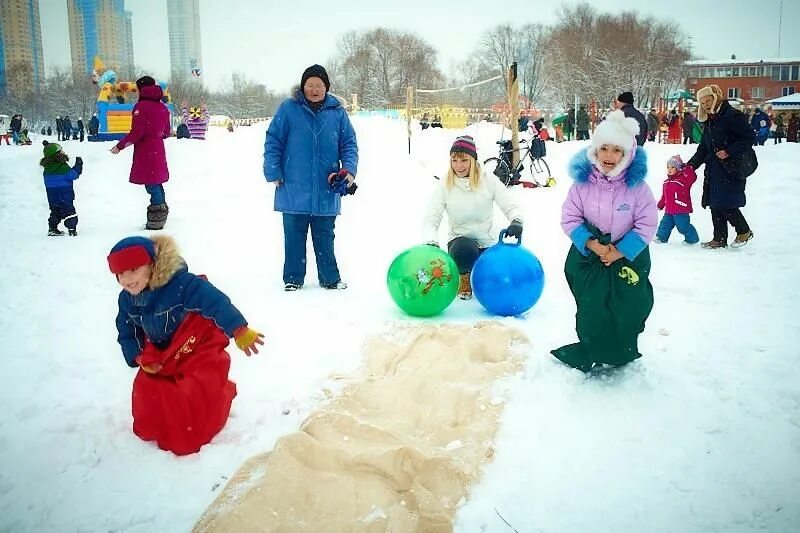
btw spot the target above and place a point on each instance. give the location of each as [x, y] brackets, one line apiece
[196, 119]
[114, 105]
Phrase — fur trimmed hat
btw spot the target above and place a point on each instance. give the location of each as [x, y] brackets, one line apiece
[316, 71]
[616, 130]
[130, 253]
[465, 145]
[626, 97]
[708, 90]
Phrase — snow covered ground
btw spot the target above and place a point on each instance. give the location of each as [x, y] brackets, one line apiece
[702, 434]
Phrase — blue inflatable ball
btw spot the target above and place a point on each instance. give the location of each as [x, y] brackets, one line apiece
[507, 279]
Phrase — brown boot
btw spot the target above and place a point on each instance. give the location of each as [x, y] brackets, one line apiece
[464, 287]
[742, 239]
[714, 244]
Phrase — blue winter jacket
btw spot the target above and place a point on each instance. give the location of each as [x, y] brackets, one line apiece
[65, 177]
[302, 149]
[156, 314]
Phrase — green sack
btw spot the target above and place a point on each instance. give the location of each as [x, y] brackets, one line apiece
[697, 131]
[613, 304]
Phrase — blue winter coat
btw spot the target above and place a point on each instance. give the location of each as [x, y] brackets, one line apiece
[63, 176]
[157, 313]
[302, 149]
[727, 130]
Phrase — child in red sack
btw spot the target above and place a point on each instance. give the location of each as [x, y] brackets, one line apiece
[175, 327]
[676, 201]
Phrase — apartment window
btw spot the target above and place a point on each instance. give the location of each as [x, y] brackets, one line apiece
[735, 71]
[703, 73]
[760, 72]
[795, 73]
[758, 92]
[786, 91]
[775, 73]
[785, 72]
[752, 71]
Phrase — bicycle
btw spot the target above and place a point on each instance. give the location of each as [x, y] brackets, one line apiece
[537, 167]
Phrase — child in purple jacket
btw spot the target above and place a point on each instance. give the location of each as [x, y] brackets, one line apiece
[676, 201]
[610, 215]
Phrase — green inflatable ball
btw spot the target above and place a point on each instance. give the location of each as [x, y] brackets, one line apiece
[423, 280]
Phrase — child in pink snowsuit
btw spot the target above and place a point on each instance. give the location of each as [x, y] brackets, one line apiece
[676, 201]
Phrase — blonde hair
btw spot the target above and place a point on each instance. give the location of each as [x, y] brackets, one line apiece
[474, 174]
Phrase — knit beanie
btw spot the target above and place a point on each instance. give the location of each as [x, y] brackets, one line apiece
[50, 149]
[130, 253]
[676, 162]
[316, 71]
[626, 97]
[465, 145]
[145, 81]
[709, 90]
[616, 130]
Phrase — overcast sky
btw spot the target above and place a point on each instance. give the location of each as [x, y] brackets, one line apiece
[273, 42]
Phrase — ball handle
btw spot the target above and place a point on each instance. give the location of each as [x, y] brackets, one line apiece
[503, 236]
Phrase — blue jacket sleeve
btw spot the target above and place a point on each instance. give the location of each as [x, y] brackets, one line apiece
[580, 236]
[129, 336]
[274, 145]
[202, 297]
[630, 245]
[348, 147]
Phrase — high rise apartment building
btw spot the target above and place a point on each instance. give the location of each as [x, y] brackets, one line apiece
[183, 19]
[21, 58]
[100, 28]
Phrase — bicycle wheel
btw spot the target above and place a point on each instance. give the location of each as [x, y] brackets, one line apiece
[499, 168]
[540, 172]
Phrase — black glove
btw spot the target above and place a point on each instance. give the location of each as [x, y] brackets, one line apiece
[78, 166]
[514, 229]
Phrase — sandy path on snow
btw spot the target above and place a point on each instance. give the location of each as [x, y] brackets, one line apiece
[395, 451]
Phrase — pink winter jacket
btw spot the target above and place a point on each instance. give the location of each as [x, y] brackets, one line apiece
[149, 126]
[676, 198]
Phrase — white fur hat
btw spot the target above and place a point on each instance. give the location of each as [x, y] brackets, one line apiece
[617, 130]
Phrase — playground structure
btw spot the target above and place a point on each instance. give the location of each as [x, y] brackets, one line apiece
[115, 104]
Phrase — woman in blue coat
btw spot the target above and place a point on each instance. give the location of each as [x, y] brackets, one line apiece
[310, 145]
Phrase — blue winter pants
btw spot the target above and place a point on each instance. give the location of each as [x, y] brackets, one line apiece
[156, 194]
[681, 222]
[295, 234]
[62, 207]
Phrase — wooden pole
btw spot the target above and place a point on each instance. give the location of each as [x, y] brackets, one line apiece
[513, 104]
[409, 106]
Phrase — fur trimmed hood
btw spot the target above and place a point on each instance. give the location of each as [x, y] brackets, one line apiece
[580, 167]
[168, 261]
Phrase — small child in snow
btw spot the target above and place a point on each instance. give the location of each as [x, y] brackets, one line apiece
[175, 326]
[676, 201]
[610, 215]
[58, 178]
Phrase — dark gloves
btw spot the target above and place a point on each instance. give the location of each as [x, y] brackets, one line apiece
[514, 229]
[78, 166]
[340, 184]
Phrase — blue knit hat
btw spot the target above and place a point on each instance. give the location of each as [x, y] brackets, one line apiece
[130, 253]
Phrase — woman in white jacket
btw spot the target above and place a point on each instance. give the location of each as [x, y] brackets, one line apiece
[468, 197]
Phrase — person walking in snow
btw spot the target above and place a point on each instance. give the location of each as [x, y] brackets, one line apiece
[676, 201]
[610, 215]
[310, 145]
[175, 326]
[58, 182]
[726, 135]
[149, 127]
[468, 197]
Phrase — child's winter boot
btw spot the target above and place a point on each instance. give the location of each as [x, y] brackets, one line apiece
[54, 232]
[156, 216]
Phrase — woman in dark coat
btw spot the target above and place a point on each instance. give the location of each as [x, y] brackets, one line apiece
[726, 134]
